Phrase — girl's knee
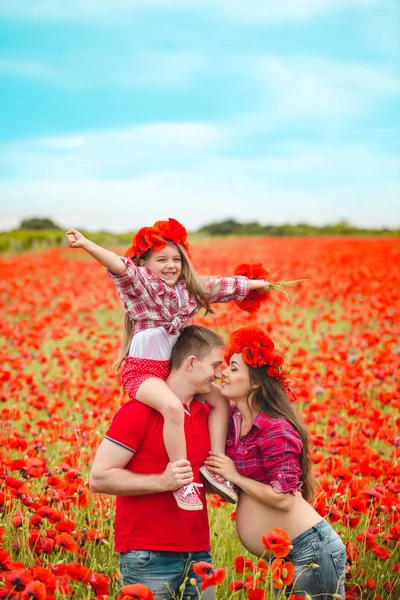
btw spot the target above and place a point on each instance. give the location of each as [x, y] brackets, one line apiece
[173, 411]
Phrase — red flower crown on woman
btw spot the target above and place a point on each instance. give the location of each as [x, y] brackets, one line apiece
[257, 350]
[157, 237]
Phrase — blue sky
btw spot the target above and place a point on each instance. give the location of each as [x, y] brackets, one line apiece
[115, 115]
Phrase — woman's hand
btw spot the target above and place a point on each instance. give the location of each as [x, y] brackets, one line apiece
[223, 465]
[75, 239]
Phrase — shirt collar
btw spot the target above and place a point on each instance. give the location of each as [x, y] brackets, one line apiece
[196, 405]
[260, 420]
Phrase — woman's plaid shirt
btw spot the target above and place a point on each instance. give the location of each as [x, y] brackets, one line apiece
[269, 452]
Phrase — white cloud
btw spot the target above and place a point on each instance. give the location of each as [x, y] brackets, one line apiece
[83, 70]
[195, 199]
[28, 69]
[302, 183]
[252, 10]
[100, 153]
[315, 87]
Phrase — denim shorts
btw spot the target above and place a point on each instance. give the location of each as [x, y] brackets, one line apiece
[156, 568]
[320, 545]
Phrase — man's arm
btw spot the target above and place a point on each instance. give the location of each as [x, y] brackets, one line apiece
[108, 259]
[109, 476]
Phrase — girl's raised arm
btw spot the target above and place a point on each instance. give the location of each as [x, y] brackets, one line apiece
[108, 259]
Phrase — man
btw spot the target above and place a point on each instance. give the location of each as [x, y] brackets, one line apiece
[158, 541]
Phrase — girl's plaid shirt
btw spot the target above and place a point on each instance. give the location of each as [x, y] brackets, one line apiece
[149, 302]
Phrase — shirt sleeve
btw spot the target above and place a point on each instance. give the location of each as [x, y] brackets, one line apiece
[128, 427]
[281, 452]
[226, 289]
[127, 283]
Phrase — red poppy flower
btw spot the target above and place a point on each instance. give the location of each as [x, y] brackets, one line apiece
[78, 572]
[257, 594]
[18, 578]
[210, 575]
[203, 568]
[136, 591]
[241, 563]
[5, 561]
[155, 237]
[35, 590]
[236, 585]
[66, 542]
[277, 540]
[100, 584]
[282, 573]
[371, 583]
[381, 552]
[254, 299]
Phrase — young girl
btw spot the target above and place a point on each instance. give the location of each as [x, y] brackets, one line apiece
[161, 293]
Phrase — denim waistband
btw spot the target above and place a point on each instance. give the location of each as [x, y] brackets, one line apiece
[172, 554]
[320, 530]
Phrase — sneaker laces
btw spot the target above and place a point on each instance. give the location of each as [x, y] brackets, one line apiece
[191, 488]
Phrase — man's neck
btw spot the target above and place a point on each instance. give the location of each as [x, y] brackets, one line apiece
[178, 384]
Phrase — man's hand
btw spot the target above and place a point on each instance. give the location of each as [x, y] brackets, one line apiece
[176, 475]
[75, 239]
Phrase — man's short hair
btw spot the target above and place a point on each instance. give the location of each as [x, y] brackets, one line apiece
[195, 340]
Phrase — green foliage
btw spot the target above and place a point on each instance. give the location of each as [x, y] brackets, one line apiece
[21, 240]
[232, 227]
[33, 236]
[38, 223]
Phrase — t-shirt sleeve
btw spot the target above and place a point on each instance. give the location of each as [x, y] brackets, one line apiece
[128, 427]
[226, 289]
[281, 453]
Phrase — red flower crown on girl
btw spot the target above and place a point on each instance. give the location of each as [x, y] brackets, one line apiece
[257, 350]
[157, 237]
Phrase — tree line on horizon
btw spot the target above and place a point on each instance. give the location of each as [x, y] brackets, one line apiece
[38, 232]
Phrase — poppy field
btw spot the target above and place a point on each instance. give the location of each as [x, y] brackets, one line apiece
[61, 326]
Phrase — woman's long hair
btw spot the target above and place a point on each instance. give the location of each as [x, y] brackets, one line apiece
[271, 399]
[194, 285]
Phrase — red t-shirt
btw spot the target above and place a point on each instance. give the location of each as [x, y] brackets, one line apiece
[154, 521]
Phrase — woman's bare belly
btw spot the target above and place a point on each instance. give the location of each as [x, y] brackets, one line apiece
[254, 520]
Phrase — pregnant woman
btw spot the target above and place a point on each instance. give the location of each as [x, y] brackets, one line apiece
[268, 459]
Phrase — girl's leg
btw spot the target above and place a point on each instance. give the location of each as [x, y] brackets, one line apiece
[218, 428]
[218, 419]
[155, 393]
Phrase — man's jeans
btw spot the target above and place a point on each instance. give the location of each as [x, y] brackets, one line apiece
[156, 568]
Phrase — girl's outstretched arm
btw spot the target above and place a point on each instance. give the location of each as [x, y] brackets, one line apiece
[108, 259]
[260, 285]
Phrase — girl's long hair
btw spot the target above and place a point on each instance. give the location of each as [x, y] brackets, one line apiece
[271, 399]
[194, 285]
